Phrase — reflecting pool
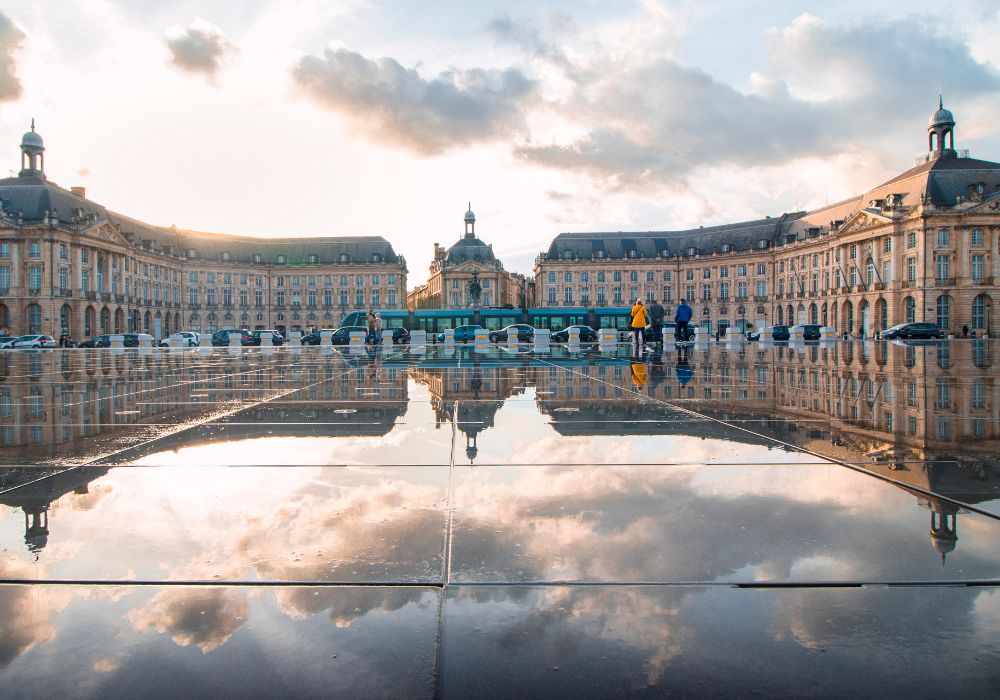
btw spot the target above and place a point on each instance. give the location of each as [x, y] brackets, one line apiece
[814, 521]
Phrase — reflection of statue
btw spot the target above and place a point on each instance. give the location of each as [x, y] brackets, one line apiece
[475, 289]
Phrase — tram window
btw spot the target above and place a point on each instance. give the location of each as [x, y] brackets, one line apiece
[394, 322]
[510, 321]
[493, 323]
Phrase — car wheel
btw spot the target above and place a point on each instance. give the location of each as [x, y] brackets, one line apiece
[493, 338]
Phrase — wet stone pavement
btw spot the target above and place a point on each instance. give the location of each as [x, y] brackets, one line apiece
[718, 521]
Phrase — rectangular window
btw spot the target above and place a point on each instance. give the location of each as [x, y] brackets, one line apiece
[706, 274]
[83, 255]
[312, 298]
[279, 298]
[391, 298]
[887, 244]
[977, 236]
[723, 272]
[568, 277]
[886, 272]
[209, 294]
[552, 295]
[649, 277]
[295, 281]
[977, 267]
[781, 286]
[552, 277]
[723, 291]
[762, 269]
[689, 275]
[258, 298]
[209, 277]
[375, 297]
[942, 267]
[359, 298]
[193, 278]
[741, 271]
[741, 290]
[600, 276]
[601, 296]
[689, 292]
[942, 238]
[193, 296]
[227, 297]
[312, 281]
[63, 278]
[296, 298]
[706, 292]
[359, 281]
[34, 278]
[911, 269]
[854, 276]
[244, 298]
[343, 280]
[911, 240]
[5, 250]
[762, 289]
[618, 295]
[343, 297]
[5, 279]
[328, 297]
[568, 295]
[668, 294]
[585, 295]
[854, 252]
[243, 280]
[666, 276]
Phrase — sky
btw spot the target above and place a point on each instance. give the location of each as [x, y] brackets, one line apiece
[355, 117]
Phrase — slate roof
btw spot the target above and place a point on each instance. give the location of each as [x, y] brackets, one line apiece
[33, 197]
[468, 249]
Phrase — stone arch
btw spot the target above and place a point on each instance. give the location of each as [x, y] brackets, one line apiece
[800, 317]
[813, 314]
[33, 312]
[66, 319]
[89, 321]
[147, 319]
[119, 321]
[910, 310]
[864, 318]
[881, 314]
[105, 320]
[848, 314]
[834, 316]
[981, 308]
[823, 315]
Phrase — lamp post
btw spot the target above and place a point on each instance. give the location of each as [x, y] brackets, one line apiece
[989, 333]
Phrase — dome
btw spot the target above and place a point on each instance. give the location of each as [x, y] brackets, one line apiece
[470, 217]
[942, 117]
[32, 139]
[470, 249]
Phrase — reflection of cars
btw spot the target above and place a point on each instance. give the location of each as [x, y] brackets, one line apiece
[587, 335]
[913, 330]
[35, 341]
[222, 337]
[463, 334]
[101, 341]
[184, 339]
[778, 333]
[276, 337]
[525, 333]
[342, 336]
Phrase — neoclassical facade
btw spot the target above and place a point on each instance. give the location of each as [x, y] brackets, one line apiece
[452, 269]
[921, 247]
[67, 264]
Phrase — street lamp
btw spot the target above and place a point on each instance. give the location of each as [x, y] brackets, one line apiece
[989, 333]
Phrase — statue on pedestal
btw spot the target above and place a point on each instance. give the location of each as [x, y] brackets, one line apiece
[475, 289]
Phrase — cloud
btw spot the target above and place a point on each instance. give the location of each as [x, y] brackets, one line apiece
[10, 40]
[201, 47]
[205, 617]
[394, 106]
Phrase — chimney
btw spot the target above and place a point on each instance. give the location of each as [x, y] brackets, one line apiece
[80, 192]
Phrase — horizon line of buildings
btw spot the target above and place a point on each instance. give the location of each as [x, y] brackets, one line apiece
[924, 246]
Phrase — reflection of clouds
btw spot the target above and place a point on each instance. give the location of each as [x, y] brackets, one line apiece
[86, 501]
[346, 604]
[571, 450]
[26, 611]
[205, 617]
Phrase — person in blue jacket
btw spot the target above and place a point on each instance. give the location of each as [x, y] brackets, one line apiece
[681, 318]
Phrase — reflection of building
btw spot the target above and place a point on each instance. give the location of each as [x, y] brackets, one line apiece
[68, 264]
[452, 269]
[916, 248]
[477, 392]
[924, 416]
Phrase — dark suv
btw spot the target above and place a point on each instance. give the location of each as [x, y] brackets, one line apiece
[525, 333]
[276, 337]
[913, 330]
[812, 332]
[221, 338]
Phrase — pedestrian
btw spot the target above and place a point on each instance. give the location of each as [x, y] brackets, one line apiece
[965, 331]
[681, 318]
[371, 326]
[378, 327]
[638, 322]
[656, 319]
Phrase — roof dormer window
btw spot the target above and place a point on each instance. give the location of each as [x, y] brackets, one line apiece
[665, 253]
[256, 257]
[376, 257]
[599, 254]
[692, 251]
[192, 253]
[727, 247]
[282, 259]
[313, 258]
[632, 253]
[344, 258]
[762, 243]
[225, 255]
[567, 255]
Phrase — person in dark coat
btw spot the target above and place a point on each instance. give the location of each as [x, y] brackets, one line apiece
[681, 318]
[656, 320]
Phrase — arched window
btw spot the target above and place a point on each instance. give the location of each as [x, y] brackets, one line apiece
[911, 310]
[883, 314]
[599, 254]
[849, 314]
[814, 314]
[801, 318]
[824, 321]
[979, 312]
[944, 312]
[34, 318]
[781, 316]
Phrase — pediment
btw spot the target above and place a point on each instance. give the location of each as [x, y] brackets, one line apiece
[865, 220]
[988, 205]
[106, 232]
[470, 265]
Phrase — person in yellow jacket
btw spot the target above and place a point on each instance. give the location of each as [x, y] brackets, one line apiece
[639, 317]
[639, 373]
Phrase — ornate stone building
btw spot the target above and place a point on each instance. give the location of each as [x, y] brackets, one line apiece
[921, 247]
[453, 268]
[67, 264]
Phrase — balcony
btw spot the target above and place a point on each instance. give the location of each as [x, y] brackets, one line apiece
[944, 282]
[879, 286]
[90, 295]
[194, 306]
[757, 298]
[120, 298]
[105, 296]
[983, 281]
[66, 292]
[906, 284]
[34, 292]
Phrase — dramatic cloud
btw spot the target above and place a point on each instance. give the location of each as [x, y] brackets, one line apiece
[10, 39]
[200, 47]
[392, 105]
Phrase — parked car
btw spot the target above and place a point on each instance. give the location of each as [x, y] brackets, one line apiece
[101, 341]
[35, 341]
[401, 336]
[276, 337]
[525, 333]
[342, 336]
[185, 339]
[812, 332]
[463, 334]
[130, 340]
[913, 330]
[221, 338]
[587, 335]
[778, 333]
[8, 343]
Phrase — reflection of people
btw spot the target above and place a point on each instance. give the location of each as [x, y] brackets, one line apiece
[638, 322]
[656, 319]
[639, 373]
[684, 373]
[681, 318]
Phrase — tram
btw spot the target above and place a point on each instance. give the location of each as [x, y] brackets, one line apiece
[554, 318]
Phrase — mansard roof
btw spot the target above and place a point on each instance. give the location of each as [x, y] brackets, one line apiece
[470, 249]
[33, 198]
[741, 236]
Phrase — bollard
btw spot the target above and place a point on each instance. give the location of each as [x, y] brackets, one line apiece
[700, 335]
[827, 333]
[795, 334]
[324, 338]
[541, 338]
[767, 333]
[266, 340]
[387, 336]
[295, 339]
[512, 338]
[145, 344]
[482, 337]
[418, 338]
[607, 336]
[235, 340]
[574, 336]
[357, 339]
[205, 340]
[117, 341]
[449, 337]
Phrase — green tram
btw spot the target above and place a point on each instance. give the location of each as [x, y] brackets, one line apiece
[555, 318]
